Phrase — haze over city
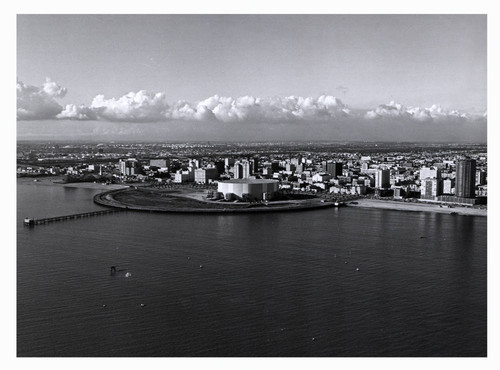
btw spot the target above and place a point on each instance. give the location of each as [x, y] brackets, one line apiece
[252, 77]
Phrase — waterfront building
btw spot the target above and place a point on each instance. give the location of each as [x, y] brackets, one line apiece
[431, 184]
[430, 188]
[253, 189]
[382, 178]
[448, 186]
[465, 178]
[398, 193]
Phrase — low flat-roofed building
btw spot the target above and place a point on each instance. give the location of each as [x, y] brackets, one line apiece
[256, 189]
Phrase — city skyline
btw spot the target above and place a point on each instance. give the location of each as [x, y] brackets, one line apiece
[237, 77]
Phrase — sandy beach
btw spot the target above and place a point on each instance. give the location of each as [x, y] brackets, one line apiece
[417, 207]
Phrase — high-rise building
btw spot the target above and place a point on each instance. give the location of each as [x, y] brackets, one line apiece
[430, 173]
[480, 177]
[334, 168]
[431, 184]
[254, 162]
[430, 188]
[238, 170]
[128, 167]
[203, 175]
[448, 186]
[245, 170]
[466, 178]
[220, 166]
[382, 179]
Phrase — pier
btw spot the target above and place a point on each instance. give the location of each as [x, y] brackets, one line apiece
[39, 221]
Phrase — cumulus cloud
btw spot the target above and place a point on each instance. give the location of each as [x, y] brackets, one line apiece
[53, 89]
[246, 108]
[38, 103]
[434, 113]
[144, 106]
[141, 106]
[77, 112]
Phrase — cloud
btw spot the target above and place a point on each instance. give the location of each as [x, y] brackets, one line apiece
[249, 108]
[141, 106]
[53, 89]
[144, 106]
[434, 114]
[35, 103]
[39, 103]
[77, 112]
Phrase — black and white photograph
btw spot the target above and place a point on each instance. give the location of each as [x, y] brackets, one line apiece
[251, 185]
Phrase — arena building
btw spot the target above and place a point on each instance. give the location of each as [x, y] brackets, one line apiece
[248, 189]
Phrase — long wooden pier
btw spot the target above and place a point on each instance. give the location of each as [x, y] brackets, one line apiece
[39, 221]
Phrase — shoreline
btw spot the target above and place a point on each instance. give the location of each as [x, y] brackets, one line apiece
[417, 207]
[58, 181]
[278, 206]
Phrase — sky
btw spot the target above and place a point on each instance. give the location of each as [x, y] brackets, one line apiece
[252, 77]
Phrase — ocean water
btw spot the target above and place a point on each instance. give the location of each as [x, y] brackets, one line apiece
[330, 282]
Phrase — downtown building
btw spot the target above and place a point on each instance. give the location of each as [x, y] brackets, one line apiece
[431, 184]
[465, 185]
[466, 178]
[128, 167]
[382, 179]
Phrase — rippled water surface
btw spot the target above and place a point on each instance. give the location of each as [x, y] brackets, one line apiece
[331, 282]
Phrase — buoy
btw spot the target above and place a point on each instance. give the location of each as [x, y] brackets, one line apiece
[313, 339]
[189, 258]
[142, 304]
[201, 266]
[103, 305]
[128, 274]
[357, 268]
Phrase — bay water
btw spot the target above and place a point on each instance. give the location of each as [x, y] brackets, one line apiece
[328, 282]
